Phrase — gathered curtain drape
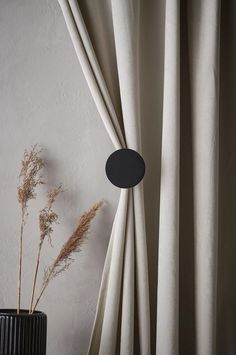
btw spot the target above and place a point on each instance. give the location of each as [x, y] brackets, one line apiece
[122, 321]
[125, 275]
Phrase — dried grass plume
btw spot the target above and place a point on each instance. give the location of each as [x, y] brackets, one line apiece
[47, 218]
[72, 246]
[29, 179]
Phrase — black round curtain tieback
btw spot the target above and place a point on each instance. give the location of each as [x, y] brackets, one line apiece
[125, 168]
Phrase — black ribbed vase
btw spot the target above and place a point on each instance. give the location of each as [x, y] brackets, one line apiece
[22, 334]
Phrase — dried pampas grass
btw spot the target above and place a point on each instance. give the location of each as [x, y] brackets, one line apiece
[72, 246]
[29, 179]
[47, 217]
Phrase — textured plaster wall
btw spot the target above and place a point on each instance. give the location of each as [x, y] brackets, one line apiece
[44, 99]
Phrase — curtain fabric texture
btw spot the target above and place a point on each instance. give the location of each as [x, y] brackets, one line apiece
[188, 237]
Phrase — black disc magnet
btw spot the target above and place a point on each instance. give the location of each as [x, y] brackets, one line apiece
[125, 168]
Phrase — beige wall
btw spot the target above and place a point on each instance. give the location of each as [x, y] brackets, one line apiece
[44, 99]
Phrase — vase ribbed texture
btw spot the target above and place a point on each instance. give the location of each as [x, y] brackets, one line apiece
[22, 334]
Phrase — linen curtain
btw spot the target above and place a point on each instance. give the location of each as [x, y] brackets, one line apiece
[125, 273]
[187, 187]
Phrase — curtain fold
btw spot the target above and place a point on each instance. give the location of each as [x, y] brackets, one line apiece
[168, 258]
[204, 63]
[123, 299]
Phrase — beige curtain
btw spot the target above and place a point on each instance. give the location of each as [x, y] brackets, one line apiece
[139, 55]
[125, 276]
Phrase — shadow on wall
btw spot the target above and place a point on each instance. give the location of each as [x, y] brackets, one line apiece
[226, 305]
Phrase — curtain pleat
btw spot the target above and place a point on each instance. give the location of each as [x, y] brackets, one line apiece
[204, 63]
[114, 282]
[126, 261]
[127, 317]
[168, 257]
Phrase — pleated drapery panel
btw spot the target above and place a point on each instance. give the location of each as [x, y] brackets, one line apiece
[125, 276]
[188, 206]
[203, 24]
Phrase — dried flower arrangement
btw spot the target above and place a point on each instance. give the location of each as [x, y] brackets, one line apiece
[30, 178]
